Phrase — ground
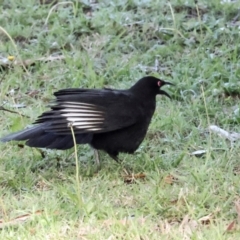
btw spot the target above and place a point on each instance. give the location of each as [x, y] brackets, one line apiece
[160, 192]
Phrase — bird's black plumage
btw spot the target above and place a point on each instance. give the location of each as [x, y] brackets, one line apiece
[110, 120]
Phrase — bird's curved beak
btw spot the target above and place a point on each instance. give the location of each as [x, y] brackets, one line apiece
[163, 92]
[168, 83]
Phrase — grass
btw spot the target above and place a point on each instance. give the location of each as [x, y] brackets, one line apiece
[115, 43]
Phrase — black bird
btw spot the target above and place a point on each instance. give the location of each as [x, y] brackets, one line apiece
[111, 120]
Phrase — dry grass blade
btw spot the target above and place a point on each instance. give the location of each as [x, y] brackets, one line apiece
[19, 220]
[237, 207]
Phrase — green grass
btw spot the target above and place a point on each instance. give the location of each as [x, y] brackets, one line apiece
[114, 44]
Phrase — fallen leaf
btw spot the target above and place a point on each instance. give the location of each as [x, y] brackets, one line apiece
[232, 137]
[132, 177]
[231, 227]
[42, 185]
[170, 179]
[165, 227]
[198, 153]
[187, 227]
[33, 93]
[206, 219]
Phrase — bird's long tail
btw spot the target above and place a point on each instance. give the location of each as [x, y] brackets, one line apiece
[36, 136]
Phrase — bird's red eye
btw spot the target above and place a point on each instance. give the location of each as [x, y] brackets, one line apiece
[159, 83]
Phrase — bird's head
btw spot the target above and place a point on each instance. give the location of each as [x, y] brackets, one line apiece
[151, 85]
[161, 83]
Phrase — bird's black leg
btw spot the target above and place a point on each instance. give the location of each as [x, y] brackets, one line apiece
[114, 156]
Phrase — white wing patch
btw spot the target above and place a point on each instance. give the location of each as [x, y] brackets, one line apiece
[83, 115]
[77, 104]
[76, 110]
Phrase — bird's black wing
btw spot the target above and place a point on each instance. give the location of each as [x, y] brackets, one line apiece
[91, 111]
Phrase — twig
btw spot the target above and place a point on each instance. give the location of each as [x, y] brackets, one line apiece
[11, 111]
